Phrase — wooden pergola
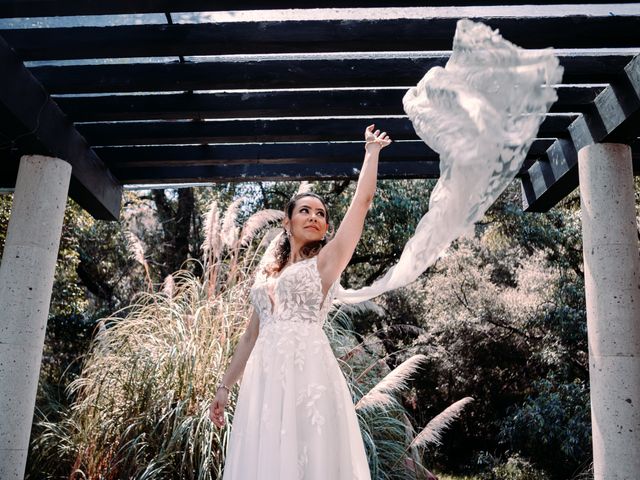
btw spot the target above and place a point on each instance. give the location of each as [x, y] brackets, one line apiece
[273, 100]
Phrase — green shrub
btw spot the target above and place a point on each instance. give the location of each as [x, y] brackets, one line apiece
[517, 468]
[553, 427]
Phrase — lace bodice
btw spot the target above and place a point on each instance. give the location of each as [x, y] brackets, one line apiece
[294, 295]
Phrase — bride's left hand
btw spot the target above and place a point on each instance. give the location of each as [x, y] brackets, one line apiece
[216, 409]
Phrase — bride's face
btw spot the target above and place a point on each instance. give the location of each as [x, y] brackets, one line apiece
[308, 221]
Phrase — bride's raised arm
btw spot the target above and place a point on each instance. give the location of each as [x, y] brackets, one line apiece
[335, 255]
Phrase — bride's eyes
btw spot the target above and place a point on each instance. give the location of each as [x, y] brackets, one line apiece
[305, 209]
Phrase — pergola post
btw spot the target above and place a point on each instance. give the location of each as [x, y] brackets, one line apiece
[612, 283]
[26, 280]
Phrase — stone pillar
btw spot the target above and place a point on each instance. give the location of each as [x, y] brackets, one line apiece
[612, 283]
[26, 280]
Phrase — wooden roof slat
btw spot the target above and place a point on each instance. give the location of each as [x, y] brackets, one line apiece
[275, 103]
[276, 172]
[276, 130]
[327, 170]
[574, 98]
[241, 74]
[28, 111]
[221, 105]
[39, 8]
[233, 154]
[255, 153]
[614, 116]
[242, 38]
[550, 178]
[284, 73]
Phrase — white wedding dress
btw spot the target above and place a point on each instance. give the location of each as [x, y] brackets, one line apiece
[294, 417]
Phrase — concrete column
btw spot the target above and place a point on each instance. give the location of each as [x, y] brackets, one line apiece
[26, 280]
[612, 282]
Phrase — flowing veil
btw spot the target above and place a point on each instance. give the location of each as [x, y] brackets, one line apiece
[481, 113]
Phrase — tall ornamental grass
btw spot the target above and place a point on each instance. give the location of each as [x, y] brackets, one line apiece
[140, 406]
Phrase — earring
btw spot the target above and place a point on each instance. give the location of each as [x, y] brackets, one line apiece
[328, 232]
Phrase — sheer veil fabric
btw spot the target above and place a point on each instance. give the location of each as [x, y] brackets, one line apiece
[481, 113]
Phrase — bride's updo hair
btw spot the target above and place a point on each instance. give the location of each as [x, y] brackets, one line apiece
[283, 249]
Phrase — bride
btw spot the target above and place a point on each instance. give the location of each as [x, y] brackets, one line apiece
[294, 416]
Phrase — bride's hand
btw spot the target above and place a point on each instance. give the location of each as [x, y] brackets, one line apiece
[216, 409]
[375, 139]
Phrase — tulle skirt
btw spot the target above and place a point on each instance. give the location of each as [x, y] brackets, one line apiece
[294, 418]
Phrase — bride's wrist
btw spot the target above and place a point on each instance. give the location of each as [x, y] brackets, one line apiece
[372, 145]
[225, 387]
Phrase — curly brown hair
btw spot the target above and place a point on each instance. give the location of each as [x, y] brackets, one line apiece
[311, 249]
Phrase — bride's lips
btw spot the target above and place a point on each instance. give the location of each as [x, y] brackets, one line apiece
[311, 226]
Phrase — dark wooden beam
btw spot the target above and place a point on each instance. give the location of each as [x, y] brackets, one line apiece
[51, 8]
[275, 130]
[575, 98]
[270, 153]
[555, 175]
[236, 38]
[240, 74]
[551, 178]
[271, 104]
[273, 172]
[285, 73]
[151, 157]
[27, 110]
[221, 105]
[614, 116]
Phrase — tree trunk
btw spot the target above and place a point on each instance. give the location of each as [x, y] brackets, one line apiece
[176, 226]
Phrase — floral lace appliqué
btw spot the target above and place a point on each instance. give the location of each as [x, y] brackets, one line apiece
[295, 295]
[308, 398]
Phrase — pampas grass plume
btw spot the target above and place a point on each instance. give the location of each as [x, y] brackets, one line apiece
[168, 286]
[394, 381]
[374, 400]
[397, 378]
[211, 244]
[304, 187]
[136, 248]
[432, 433]
[257, 222]
[229, 233]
